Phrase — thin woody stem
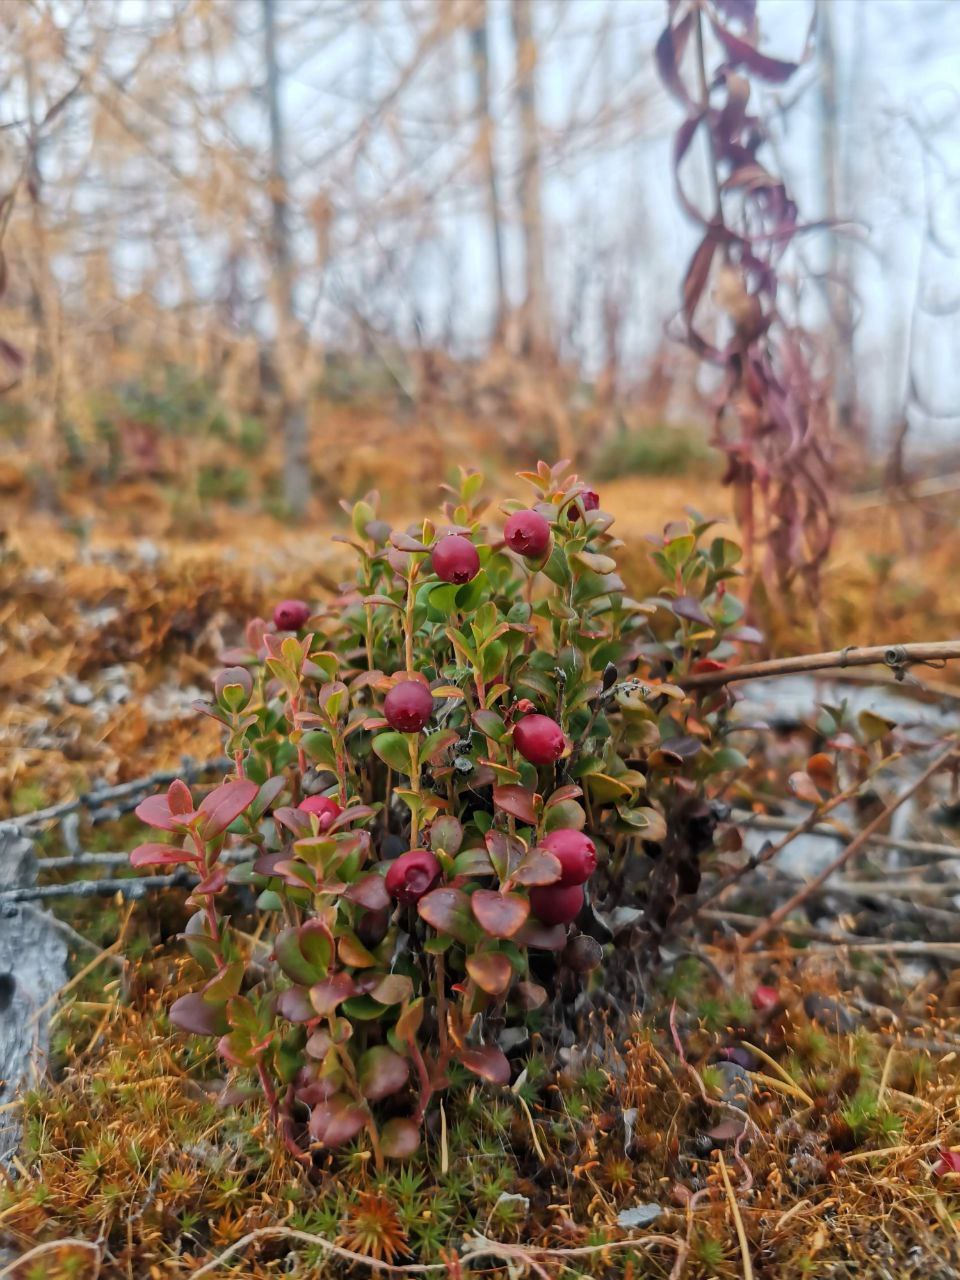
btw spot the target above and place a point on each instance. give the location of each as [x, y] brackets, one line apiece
[899, 657]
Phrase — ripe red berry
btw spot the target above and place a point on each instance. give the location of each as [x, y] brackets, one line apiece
[587, 499]
[765, 999]
[576, 853]
[539, 739]
[412, 875]
[455, 559]
[408, 706]
[556, 903]
[291, 615]
[528, 534]
[324, 807]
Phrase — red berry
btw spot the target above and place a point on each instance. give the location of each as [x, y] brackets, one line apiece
[576, 853]
[587, 499]
[764, 999]
[455, 559]
[408, 706]
[412, 875]
[556, 903]
[539, 739]
[325, 809]
[291, 615]
[528, 534]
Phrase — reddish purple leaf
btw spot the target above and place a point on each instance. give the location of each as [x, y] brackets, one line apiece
[517, 801]
[488, 1062]
[194, 1014]
[491, 971]
[155, 812]
[336, 1121]
[225, 804]
[326, 995]
[447, 911]
[294, 1004]
[370, 892]
[160, 855]
[500, 914]
[381, 1072]
[399, 1138]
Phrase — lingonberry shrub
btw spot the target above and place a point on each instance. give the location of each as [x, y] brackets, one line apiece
[481, 743]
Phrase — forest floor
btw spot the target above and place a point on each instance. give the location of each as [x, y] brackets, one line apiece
[796, 1115]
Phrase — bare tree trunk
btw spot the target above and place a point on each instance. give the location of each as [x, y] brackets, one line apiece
[479, 48]
[838, 282]
[296, 463]
[535, 329]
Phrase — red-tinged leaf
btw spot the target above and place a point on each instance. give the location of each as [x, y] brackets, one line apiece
[488, 1062]
[690, 608]
[381, 1072]
[294, 1004]
[517, 801]
[225, 984]
[531, 995]
[727, 1130]
[542, 937]
[803, 787]
[194, 1014]
[744, 54]
[160, 855]
[562, 794]
[404, 542]
[447, 911]
[224, 805]
[179, 799]
[539, 866]
[707, 664]
[326, 995]
[392, 988]
[353, 953]
[370, 892]
[947, 1162]
[155, 812]
[268, 792]
[746, 635]
[212, 883]
[336, 1121]
[399, 1138]
[499, 914]
[491, 971]
[446, 833]
[505, 851]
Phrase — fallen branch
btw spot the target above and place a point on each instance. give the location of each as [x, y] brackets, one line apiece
[852, 848]
[771, 822]
[98, 799]
[898, 657]
[130, 889]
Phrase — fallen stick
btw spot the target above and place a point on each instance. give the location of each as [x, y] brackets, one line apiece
[98, 799]
[898, 657]
[771, 822]
[855, 845]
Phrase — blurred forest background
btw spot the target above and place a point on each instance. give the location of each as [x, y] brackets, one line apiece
[253, 248]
